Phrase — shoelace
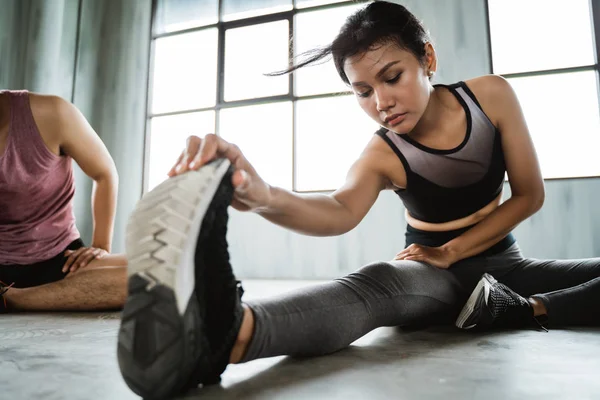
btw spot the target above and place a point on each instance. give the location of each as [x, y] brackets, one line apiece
[540, 324]
[519, 300]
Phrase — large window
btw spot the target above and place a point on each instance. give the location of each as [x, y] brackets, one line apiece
[546, 49]
[209, 57]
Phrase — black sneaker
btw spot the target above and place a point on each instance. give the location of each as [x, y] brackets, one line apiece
[493, 304]
[169, 340]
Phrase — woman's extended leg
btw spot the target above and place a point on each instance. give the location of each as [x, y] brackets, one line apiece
[568, 289]
[551, 292]
[328, 317]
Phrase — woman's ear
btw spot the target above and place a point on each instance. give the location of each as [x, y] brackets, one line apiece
[430, 59]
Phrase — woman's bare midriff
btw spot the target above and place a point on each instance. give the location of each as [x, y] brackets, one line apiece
[457, 223]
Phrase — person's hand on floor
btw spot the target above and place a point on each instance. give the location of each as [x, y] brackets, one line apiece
[437, 256]
[251, 191]
[81, 257]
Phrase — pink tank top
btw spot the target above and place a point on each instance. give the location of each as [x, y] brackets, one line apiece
[36, 192]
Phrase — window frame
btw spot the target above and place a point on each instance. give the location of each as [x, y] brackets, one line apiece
[220, 103]
[289, 15]
[595, 25]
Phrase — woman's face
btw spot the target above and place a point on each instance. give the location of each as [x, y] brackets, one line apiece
[391, 85]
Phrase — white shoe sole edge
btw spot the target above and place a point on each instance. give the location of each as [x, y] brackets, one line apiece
[485, 284]
[163, 229]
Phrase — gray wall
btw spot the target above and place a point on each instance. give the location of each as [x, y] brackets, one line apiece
[93, 53]
[568, 226]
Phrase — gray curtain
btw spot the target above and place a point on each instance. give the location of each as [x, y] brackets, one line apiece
[93, 53]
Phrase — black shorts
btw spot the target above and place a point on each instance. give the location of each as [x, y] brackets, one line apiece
[40, 273]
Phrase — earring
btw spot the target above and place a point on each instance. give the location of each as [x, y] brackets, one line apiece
[430, 73]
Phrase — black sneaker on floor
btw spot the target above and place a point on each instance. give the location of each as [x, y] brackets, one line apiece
[493, 304]
[184, 310]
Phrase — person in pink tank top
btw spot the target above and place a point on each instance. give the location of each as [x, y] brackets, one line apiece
[43, 260]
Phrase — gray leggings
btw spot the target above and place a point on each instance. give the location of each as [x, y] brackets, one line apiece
[328, 317]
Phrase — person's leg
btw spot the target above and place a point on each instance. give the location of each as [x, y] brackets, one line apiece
[328, 317]
[183, 321]
[102, 285]
[567, 291]
[549, 292]
[41, 272]
[381, 294]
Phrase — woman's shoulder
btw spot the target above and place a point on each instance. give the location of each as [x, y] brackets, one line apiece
[488, 85]
[48, 105]
[491, 91]
[378, 156]
[50, 113]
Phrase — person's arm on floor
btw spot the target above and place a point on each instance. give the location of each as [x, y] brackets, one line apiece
[525, 178]
[79, 140]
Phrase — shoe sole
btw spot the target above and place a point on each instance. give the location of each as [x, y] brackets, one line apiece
[474, 305]
[160, 339]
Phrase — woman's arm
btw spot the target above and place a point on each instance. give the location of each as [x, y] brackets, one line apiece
[309, 214]
[328, 215]
[79, 140]
[527, 187]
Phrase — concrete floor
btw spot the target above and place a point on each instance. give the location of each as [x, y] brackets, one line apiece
[72, 356]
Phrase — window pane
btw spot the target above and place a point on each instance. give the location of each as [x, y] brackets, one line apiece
[238, 9]
[313, 3]
[321, 78]
[264, 134]
[185, 72]
[562, 114]
[530, 35]
[331, 134]
[167, 140]
[176, 15]
[252, 51]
